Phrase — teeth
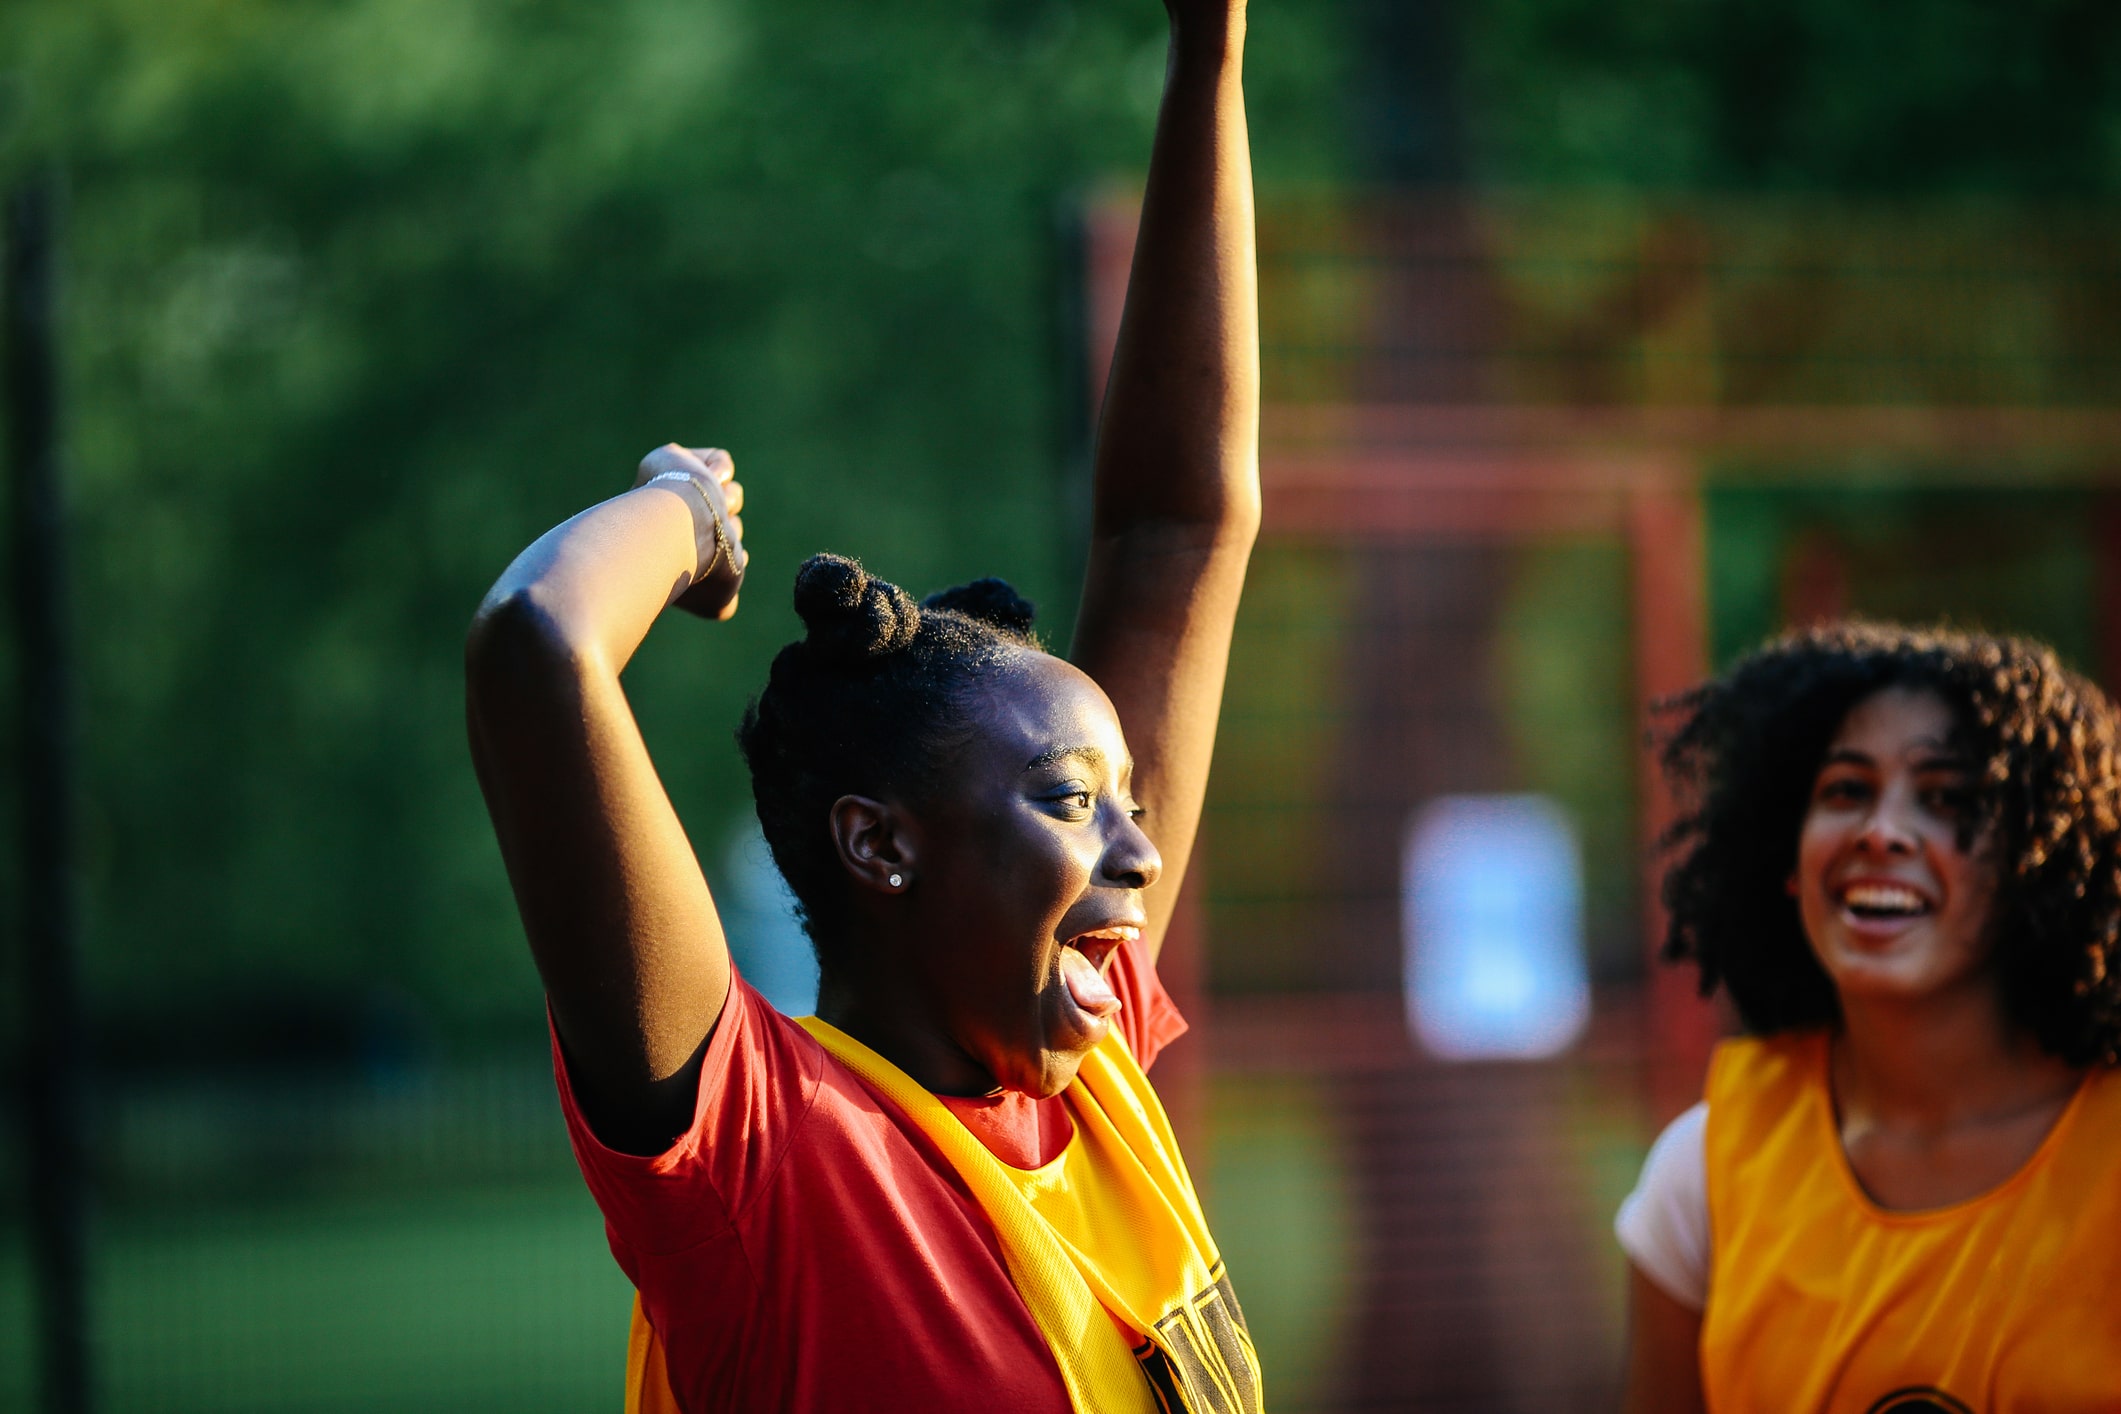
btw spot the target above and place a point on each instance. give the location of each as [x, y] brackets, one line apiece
[1125, 933]
[1883, 898]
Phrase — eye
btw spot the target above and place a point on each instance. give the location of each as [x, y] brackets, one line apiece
[1072, 797]
[1841, 790]
[1948, 800]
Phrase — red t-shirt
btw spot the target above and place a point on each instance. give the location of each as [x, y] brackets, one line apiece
[804, 1247]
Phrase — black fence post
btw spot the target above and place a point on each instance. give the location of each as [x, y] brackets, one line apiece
[52, 1071]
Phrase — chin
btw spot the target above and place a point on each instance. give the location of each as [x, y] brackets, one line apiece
[1887, 979]
[1053, 1073]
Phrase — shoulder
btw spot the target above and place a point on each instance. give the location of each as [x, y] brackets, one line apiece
[1663, 1225]
[2096, 1111]
[2103, 1083]
[1760, 1084]
[759, 1080]
[1749, 1064]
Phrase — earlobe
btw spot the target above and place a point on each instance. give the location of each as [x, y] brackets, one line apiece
[875, 843]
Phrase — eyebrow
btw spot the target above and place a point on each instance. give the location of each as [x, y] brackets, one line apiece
[1937, 753]
[1089, 754]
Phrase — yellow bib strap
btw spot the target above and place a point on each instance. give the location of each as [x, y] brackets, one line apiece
[1095, 1354]
[647, 1379]
[1107, 1246]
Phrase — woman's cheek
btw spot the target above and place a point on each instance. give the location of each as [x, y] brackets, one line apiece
[1808, 874]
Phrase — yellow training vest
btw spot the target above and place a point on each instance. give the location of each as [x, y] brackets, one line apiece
[1106, 1244]
[1819, 1300]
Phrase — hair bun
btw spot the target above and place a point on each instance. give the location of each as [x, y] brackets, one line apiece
[850, 614]
[991, 601]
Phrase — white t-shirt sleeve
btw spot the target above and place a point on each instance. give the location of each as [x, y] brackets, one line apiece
[1663, 1225]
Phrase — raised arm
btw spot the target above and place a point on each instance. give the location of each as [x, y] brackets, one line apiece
[617, 911]
[1177, 478]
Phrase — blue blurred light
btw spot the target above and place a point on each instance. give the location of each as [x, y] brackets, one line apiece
[1492, 928]
[765, 937]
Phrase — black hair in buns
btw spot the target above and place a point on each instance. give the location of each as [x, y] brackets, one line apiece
[850, 615]
[868, 702]
[991, 601]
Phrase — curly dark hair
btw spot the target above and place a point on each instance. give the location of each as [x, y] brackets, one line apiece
[871, 701]
[2043, 745]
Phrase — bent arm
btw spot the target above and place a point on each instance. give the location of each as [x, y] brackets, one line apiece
[1664, 1351]
[1176, 501]
[616, 909]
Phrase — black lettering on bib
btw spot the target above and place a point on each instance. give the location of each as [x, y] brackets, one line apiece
[1201, 1360]
[1919, 1399]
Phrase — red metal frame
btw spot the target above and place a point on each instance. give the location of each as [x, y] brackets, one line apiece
[1365, 473]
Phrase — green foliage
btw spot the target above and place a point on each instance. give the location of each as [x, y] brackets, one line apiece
[493, 1299]
[1566, 691]
[1267, 830]
[1923, 95]
[2019, 561]
[1281, 1196]
[363, 294]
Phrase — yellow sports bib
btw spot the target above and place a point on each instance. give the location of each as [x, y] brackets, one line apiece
[1106, 1244]
[1821, 1301]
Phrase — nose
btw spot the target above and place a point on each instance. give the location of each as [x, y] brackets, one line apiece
[1131, 860]
[1885, 829]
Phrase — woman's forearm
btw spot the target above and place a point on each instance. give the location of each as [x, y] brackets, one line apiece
[586, 592]
[613, 902]
[1179, 435]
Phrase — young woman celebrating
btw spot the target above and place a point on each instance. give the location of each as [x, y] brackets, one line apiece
[1903, 1192]
[952, 1189]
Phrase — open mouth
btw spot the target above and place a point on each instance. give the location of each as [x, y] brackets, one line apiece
[1883, 903]
[1082, 968]
[1099, 944]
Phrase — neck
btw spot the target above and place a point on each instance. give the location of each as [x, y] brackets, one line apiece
[1940, 1061]
[896, 1027]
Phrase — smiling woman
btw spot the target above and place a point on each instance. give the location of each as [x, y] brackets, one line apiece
[954, 1187]
[1903, 862]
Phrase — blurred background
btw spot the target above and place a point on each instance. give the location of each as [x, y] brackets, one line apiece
[1600, 342]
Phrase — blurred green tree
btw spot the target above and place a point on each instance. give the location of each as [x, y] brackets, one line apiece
[1956, 96]
[363, 294]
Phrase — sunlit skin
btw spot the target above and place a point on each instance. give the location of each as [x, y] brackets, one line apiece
[1883, 827]
[1938, 1097]
[1034, 842]
[960, 969]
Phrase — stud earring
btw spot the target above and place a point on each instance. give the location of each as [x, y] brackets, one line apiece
[898, 880]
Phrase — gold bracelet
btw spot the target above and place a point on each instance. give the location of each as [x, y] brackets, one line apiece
[721, 536]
